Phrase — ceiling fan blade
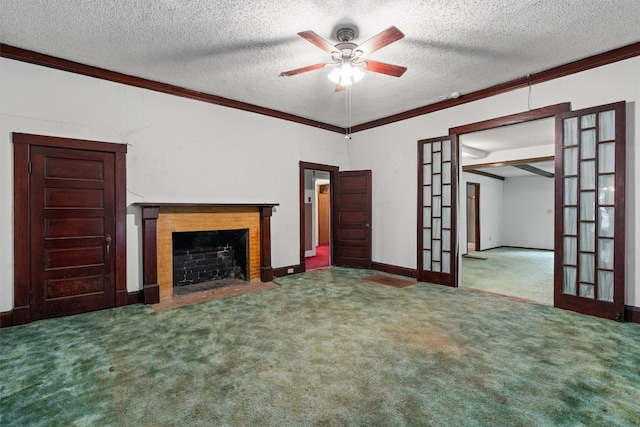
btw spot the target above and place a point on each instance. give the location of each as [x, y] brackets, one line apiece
[301, 70]
[384, 68]
[381, 40]
[322, 43]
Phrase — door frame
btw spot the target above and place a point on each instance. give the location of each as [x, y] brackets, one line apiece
[476, 216]
[333, 171]
[22, 144]
[526, 116]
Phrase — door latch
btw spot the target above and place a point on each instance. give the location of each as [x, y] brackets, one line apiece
[108, 243]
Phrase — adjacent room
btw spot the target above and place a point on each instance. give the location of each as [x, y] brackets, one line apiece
[509, 210]
[319, 213]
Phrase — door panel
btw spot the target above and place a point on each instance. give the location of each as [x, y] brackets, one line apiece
[324, 214]
[352, 246]
[590, 220]
[72, 223]
[437, 204]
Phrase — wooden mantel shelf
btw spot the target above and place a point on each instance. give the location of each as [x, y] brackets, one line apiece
[150, 214]
[211, 205]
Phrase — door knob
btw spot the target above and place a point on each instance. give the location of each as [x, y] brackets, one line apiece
[107, 241]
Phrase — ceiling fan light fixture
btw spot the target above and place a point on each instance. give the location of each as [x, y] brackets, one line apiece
[334, 75]
[346, 75]
[356, 74]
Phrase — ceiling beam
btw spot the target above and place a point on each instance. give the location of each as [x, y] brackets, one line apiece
[535, 170]
[508, 163]
[487, 174]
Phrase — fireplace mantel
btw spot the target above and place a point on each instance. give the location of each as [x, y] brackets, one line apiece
[152, 211]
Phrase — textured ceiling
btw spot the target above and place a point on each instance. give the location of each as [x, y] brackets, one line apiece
[522, 135]
[237, 49]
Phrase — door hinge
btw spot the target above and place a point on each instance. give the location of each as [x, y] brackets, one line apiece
[29, 168]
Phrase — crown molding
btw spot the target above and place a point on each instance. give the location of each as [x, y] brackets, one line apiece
[584, 64]
[32, 57]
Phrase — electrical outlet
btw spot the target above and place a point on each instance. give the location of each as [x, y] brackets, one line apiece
[289, 270]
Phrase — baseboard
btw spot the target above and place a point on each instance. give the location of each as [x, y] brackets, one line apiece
[6, 319]
[631, 314]
[515, 247]
[135, 297]
[15, 317]
[394, 269]
[285, 271]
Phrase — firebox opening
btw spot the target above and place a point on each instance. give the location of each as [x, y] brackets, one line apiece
[209, 259]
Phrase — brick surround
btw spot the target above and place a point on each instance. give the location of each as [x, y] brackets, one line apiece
[179, 219]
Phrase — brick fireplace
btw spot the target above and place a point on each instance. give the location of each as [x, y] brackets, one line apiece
[161, 220]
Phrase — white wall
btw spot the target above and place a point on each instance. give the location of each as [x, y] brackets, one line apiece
[179, 150]
[528, 212]
[491, 212]
[391, 153]
[173, 140]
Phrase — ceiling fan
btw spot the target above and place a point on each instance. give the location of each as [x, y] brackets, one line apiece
[348, 58]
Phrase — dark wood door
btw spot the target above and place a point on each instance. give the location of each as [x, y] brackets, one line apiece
[324, 214]
[437, 211]
[352, 202]
[590, 211]
[72, 231]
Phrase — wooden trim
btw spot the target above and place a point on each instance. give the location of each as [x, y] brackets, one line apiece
[466, 168]
[519, 247]
[482, 173]
[394, 269]
[150, 286]
[62, 142]
[632, 314]
[266, 271]
[215, 205]
[333, 170]
[535, 170]
[36, 58]
[284, 271]
[120, 246]
[135, 297]
[578, 66]
[584, 64]
[6, 319]
[21, 260]
[513, 119]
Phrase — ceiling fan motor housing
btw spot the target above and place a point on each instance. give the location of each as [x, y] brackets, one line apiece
[346, 34]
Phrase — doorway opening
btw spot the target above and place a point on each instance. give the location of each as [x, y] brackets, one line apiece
[588, 211]
[509, 236]
[316, 201]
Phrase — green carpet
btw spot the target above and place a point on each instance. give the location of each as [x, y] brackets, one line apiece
[522, 273]
[324, 349]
